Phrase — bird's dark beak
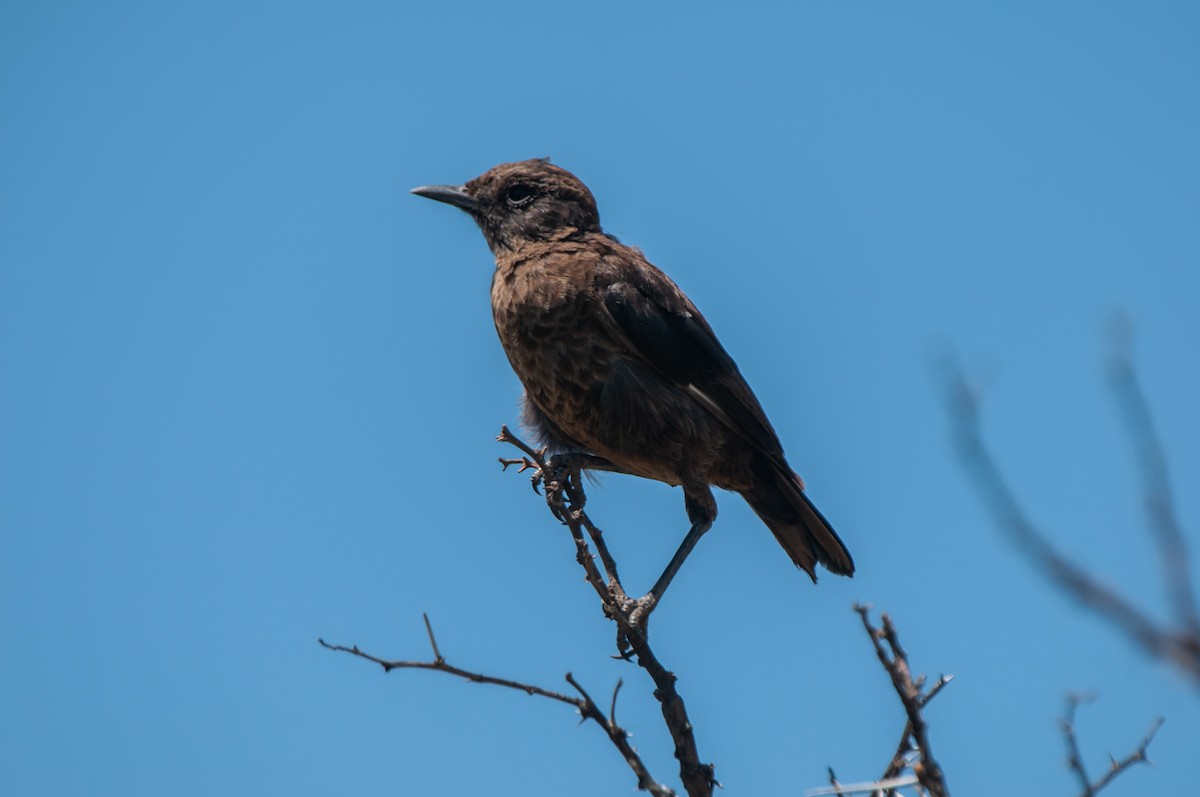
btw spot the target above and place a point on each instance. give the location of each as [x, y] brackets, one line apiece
[450, 194]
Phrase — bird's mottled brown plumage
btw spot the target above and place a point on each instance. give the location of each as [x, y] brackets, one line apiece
[618, 362]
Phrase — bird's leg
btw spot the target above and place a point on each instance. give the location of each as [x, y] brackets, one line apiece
[702, 511]
[576, 460]
[562, 473]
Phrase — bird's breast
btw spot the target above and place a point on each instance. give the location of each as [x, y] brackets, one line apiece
[555, 340]
[550, 318]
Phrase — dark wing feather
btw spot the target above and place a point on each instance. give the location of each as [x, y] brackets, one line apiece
[667, 331]
[671, 335]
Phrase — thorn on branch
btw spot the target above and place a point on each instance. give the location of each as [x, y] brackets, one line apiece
[1090, 787]
[437, 654]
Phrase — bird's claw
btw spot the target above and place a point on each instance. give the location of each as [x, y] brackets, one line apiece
[560, 478]
[638, 611]
[567, 470]
[636, 615]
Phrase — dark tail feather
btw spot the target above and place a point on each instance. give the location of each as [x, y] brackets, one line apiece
[804, 533]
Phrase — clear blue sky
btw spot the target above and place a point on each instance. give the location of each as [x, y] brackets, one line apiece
[250, 384]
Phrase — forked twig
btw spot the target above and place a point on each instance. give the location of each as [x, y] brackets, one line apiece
[1075, 758]
[584, 704]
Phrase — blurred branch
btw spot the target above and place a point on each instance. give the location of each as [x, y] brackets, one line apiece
[1180, 646]
[587, 708]
[566, 499]
[1075, 759]
[914, 751]
[1156, 488]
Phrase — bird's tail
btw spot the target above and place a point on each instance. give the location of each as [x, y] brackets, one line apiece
[778, 498]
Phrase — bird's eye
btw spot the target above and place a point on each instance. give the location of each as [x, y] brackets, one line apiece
[519, 194]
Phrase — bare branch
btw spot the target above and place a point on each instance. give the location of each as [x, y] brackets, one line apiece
[905, 751]
[584, 704]
[916, 733]
[565, 498]
[1089, 788]
[620, 738]
[1180, 647]
[1156, 485]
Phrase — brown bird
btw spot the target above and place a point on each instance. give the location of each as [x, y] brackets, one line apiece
[619, 364]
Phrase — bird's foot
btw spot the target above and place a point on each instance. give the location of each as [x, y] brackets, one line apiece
[636, 625]
[558, 474]
[638, 611]
[561, 475]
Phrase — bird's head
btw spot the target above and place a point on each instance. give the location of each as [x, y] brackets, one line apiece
[530, 200]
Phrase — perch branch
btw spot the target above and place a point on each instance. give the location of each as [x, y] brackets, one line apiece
[565, 499]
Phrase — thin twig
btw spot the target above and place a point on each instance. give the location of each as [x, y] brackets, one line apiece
[437, 654]
[587, 708]
[606, 559]
[1089, 787]
[440, 665]
[612, 709]
[904, 748]
[620, 738]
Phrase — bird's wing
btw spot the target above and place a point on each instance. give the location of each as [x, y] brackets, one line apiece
[665, 329]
